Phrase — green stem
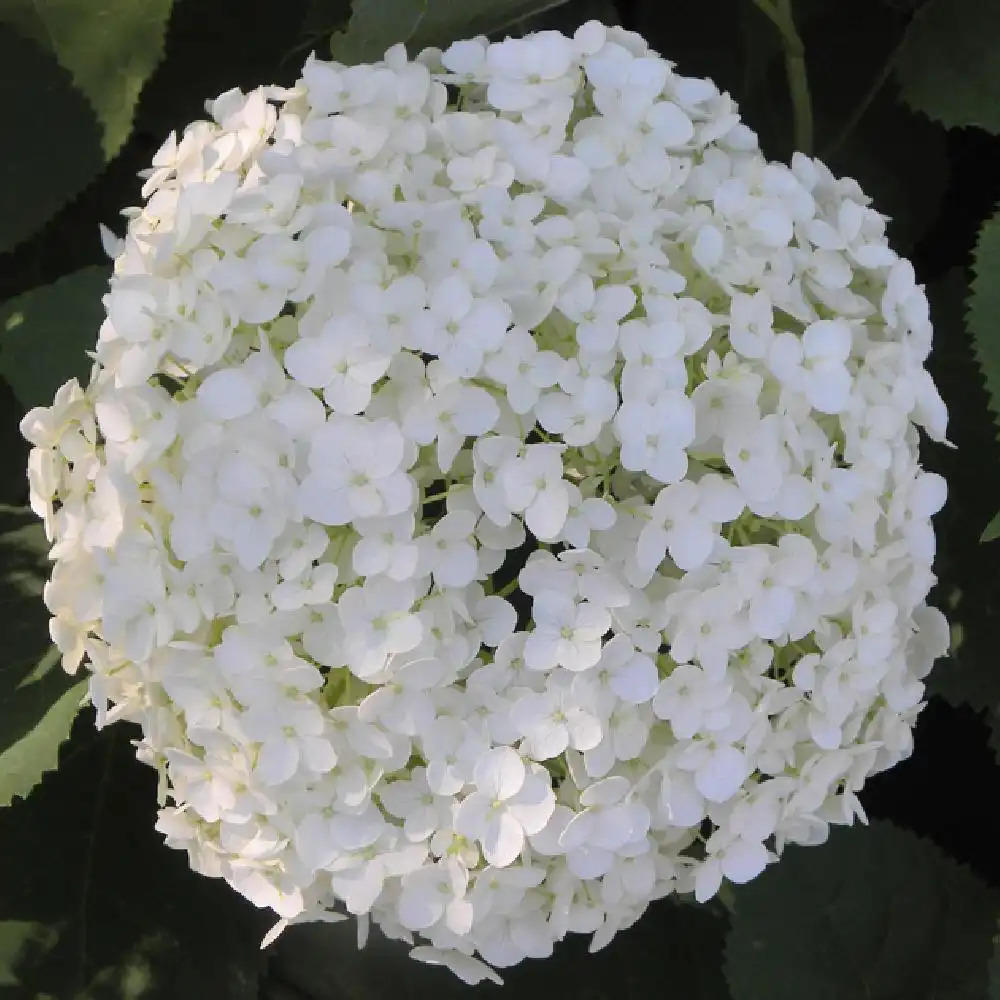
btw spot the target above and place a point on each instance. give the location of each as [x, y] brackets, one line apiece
[508, 589]
[780, 14]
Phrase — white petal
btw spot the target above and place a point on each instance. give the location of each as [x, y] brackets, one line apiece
[418, 910]
[743, 860]
[721, 775]
[500, 773]
[469, 970]
[311, 361]
[691, 544]
[277, 761]
[228, 394]
[503, 841]
[637, 682]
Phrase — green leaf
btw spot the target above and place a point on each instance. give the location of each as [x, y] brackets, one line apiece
[38, 699]
[23, 764]
[375, 25]
[683, 943]
[876, 913]
[993, 720]
[994, 993]
[898, 157]
[983, 317]
[110, 47]
[95, 907]
[445, 20]
[948, 66]
[45, 333]
[52, 138]
[992, 530]
[323, 16]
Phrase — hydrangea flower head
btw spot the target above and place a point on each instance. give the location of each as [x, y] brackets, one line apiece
[497, 495]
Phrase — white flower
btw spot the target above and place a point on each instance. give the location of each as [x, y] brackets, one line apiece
[510, 801]
[654, 435]
[499, 406]
[566, 633]
[684, 522]
[607, 823]
[533, 484]
[553, 720]
[355, 472]
[448, 551]
[434, 892]
[814, 364]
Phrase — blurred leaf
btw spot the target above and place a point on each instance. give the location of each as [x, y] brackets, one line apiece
[876, 913]
[375, 25]
[52, 138]
[969, 571]
[323, 16]
[762, 46]
[38, 699]
[446, 20]
[994, 993]
[111, 913]
[948, 67]
[681, 945]
[109, 46]
[564, 16]
[992, 530]
[898, 157]
[993, 720]
[19, 938]
[45, 333]
[901, 162]
[983, 315]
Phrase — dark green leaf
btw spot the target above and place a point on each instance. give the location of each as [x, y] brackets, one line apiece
[994, 993]
[983, 317]
[968, 570]
[992, 530]
[949, 65]
[375, 25]
[23, 763]
[52, 146]
[994, 739]
[898, 157]
[445, 20]
[324, 16]
[564, 16]
[876, 913]
[110, 47]
[681, 945]
[44, 334]
[94, 907]
[38, 699]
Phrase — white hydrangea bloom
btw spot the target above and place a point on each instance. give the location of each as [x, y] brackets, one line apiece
[500, 506]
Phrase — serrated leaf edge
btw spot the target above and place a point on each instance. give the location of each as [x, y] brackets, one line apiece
[978, 326]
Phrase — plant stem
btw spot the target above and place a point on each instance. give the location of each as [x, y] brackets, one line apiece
[508, 589]
[780, 14]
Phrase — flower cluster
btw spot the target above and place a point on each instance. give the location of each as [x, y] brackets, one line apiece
[497, 495]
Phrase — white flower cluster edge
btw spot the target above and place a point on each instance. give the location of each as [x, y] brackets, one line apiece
[497, 495]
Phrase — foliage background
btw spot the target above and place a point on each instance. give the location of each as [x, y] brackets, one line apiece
[905, 96]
